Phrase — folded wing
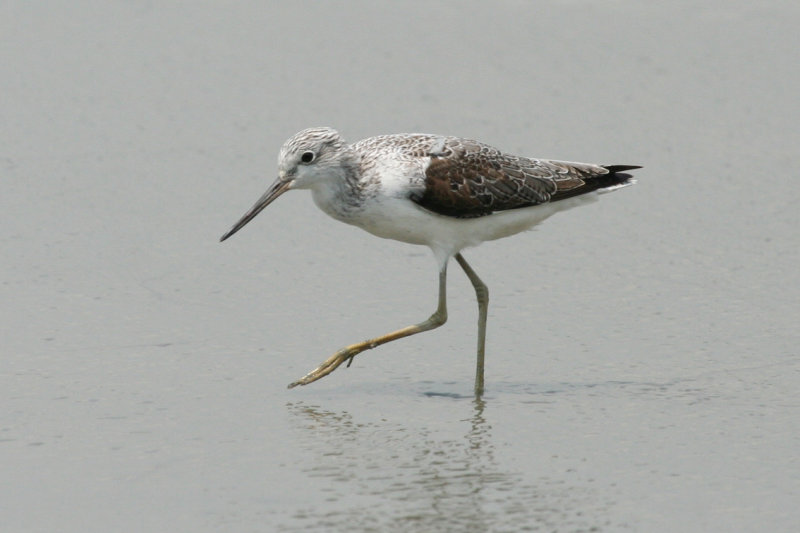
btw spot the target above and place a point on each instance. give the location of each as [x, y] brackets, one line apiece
[467, 179]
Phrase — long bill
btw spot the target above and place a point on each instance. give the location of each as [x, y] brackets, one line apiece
[279, 187]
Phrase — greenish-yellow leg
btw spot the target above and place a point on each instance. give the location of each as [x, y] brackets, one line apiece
[438, 318]
[482, 293]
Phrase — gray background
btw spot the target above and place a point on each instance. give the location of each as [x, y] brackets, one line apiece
[642, 366]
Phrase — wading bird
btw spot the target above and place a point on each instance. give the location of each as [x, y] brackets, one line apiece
[443, 192]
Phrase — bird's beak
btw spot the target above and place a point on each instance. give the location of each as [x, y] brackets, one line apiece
[280, 186]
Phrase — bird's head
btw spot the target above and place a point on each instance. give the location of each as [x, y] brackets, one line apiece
[308, 157]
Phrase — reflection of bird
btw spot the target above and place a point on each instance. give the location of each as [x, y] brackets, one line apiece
[443, 192]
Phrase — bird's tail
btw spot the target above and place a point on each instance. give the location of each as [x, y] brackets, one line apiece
[590, 180]
[615, 179]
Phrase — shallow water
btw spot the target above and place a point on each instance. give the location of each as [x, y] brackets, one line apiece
[642, 364]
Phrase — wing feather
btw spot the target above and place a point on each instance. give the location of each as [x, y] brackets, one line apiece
[468, 179]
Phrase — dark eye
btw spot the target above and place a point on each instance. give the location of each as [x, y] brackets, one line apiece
[307, 157]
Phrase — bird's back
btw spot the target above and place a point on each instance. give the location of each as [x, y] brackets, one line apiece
[464, 178]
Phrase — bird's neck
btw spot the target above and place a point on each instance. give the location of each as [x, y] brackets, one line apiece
[340, 195]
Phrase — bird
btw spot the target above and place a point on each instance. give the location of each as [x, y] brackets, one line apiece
[444, 192]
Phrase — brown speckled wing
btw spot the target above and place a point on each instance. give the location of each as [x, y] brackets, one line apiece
[468, 179]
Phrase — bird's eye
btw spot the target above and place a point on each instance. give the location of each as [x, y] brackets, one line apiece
[307, 157]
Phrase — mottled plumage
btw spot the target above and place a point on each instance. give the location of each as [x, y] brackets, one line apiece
[444, 192]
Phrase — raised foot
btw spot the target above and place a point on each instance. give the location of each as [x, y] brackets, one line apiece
[328, 366]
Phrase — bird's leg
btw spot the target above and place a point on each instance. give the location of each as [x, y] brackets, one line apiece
[482, 293]
[347, 353]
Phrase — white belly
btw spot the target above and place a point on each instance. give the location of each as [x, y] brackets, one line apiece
[401, 219]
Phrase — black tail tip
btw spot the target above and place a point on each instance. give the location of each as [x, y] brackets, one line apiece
[613, 169]
[617, 177]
